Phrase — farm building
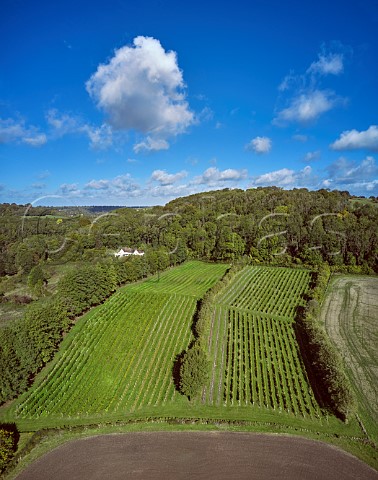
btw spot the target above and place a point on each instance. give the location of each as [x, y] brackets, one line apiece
[124, 252]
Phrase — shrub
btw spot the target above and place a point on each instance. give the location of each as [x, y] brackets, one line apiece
[8, 443]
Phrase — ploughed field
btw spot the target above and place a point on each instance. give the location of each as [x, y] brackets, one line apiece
[119, 357]
[205, 455]
[350, 313]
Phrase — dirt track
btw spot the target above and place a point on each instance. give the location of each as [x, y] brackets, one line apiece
[197, 455]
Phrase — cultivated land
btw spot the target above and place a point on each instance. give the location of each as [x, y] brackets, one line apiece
[120, 356]
[114, 370]
[182, 455]
[350, 314]
[252, 345]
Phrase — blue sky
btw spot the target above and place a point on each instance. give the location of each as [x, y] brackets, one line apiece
[136, 103]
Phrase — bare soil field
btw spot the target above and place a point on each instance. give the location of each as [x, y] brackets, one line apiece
[350, 315]
[199, 455]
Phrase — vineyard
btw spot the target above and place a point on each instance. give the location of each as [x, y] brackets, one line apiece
[191, 278]
[120, 355]
[252, 345]
[268, 290]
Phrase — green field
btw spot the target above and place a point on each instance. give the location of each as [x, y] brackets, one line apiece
[120, 356]
[252, 345]
[114, 370]
[192, 279]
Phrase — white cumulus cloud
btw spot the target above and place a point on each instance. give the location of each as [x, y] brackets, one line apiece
[260, 145]
[122, 186]
[284, 177]
[213, 176]
[165, 178]
[353, 140]
[142, 88]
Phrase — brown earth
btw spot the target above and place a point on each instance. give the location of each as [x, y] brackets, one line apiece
[350, 314]
[198, 455]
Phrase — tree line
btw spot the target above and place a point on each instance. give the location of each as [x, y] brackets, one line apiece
[270, 225]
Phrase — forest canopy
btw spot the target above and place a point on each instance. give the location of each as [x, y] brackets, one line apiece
[270, 225]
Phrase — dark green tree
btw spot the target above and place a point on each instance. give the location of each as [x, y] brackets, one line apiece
[36, 280]
[194, 371]
[25, 259]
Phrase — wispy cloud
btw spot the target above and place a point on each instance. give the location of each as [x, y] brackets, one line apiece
[35, 141]
[304, 97]
[44, 174]
[344, 174]
[205, 115]
[63, 124]
[354, 140]
[344, 171]
[307, 107]
[328, 64]
[151, 144]
[16, 131]
[70, 189]
[300, 138]
[39, 185]
[311, 156]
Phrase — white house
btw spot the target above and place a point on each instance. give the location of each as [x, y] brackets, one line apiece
[125, 252]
